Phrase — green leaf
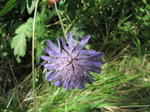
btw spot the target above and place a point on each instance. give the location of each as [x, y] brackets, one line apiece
[25, 31]
[73, 6]
[83, 108]
[19, 41]
[40, 31]
[30, 5]
[91, 2]
[39, 51]
[9, 5]
[25, 28]
[144, 1]
[19, 45]
[22, 7]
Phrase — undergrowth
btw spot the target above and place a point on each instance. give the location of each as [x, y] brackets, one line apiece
[120, 29]
[123, 85]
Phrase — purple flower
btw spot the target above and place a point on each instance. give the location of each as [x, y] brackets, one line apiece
[72, 65]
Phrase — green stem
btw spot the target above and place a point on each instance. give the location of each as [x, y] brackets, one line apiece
[9, 101]
[33, 71]
[61, 23]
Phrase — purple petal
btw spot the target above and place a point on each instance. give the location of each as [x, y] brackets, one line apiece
[67, 85]
[70, 39]
[83, 42]
[95, 69]
[97, 64]
[88, 52]
[48, 73]
[96, 55]
[87, 80]
[51, 66]
[52, 46]
[43, 63]
[64, 44]
[58, 83]
[85, 62]
[47, 58]
[88, 73]
[52, 76]
[56, 54]
[80, 86]
[46, 49]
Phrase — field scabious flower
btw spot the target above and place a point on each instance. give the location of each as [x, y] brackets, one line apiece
[72, 65]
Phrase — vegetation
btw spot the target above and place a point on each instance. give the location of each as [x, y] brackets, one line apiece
[119, 28]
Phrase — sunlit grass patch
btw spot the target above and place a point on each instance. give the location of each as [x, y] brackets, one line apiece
[122, 86]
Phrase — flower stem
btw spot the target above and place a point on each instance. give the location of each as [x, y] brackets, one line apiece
[61, 23]
[33, 68]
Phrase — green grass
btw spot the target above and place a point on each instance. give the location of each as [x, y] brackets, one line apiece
[122, 86]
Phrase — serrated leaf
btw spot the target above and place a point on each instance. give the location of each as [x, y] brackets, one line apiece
[18, 43]
[9, 5]
[40, 31]
[30, 5]
[25, 28]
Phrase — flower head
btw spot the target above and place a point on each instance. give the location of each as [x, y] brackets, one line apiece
[72, 65]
